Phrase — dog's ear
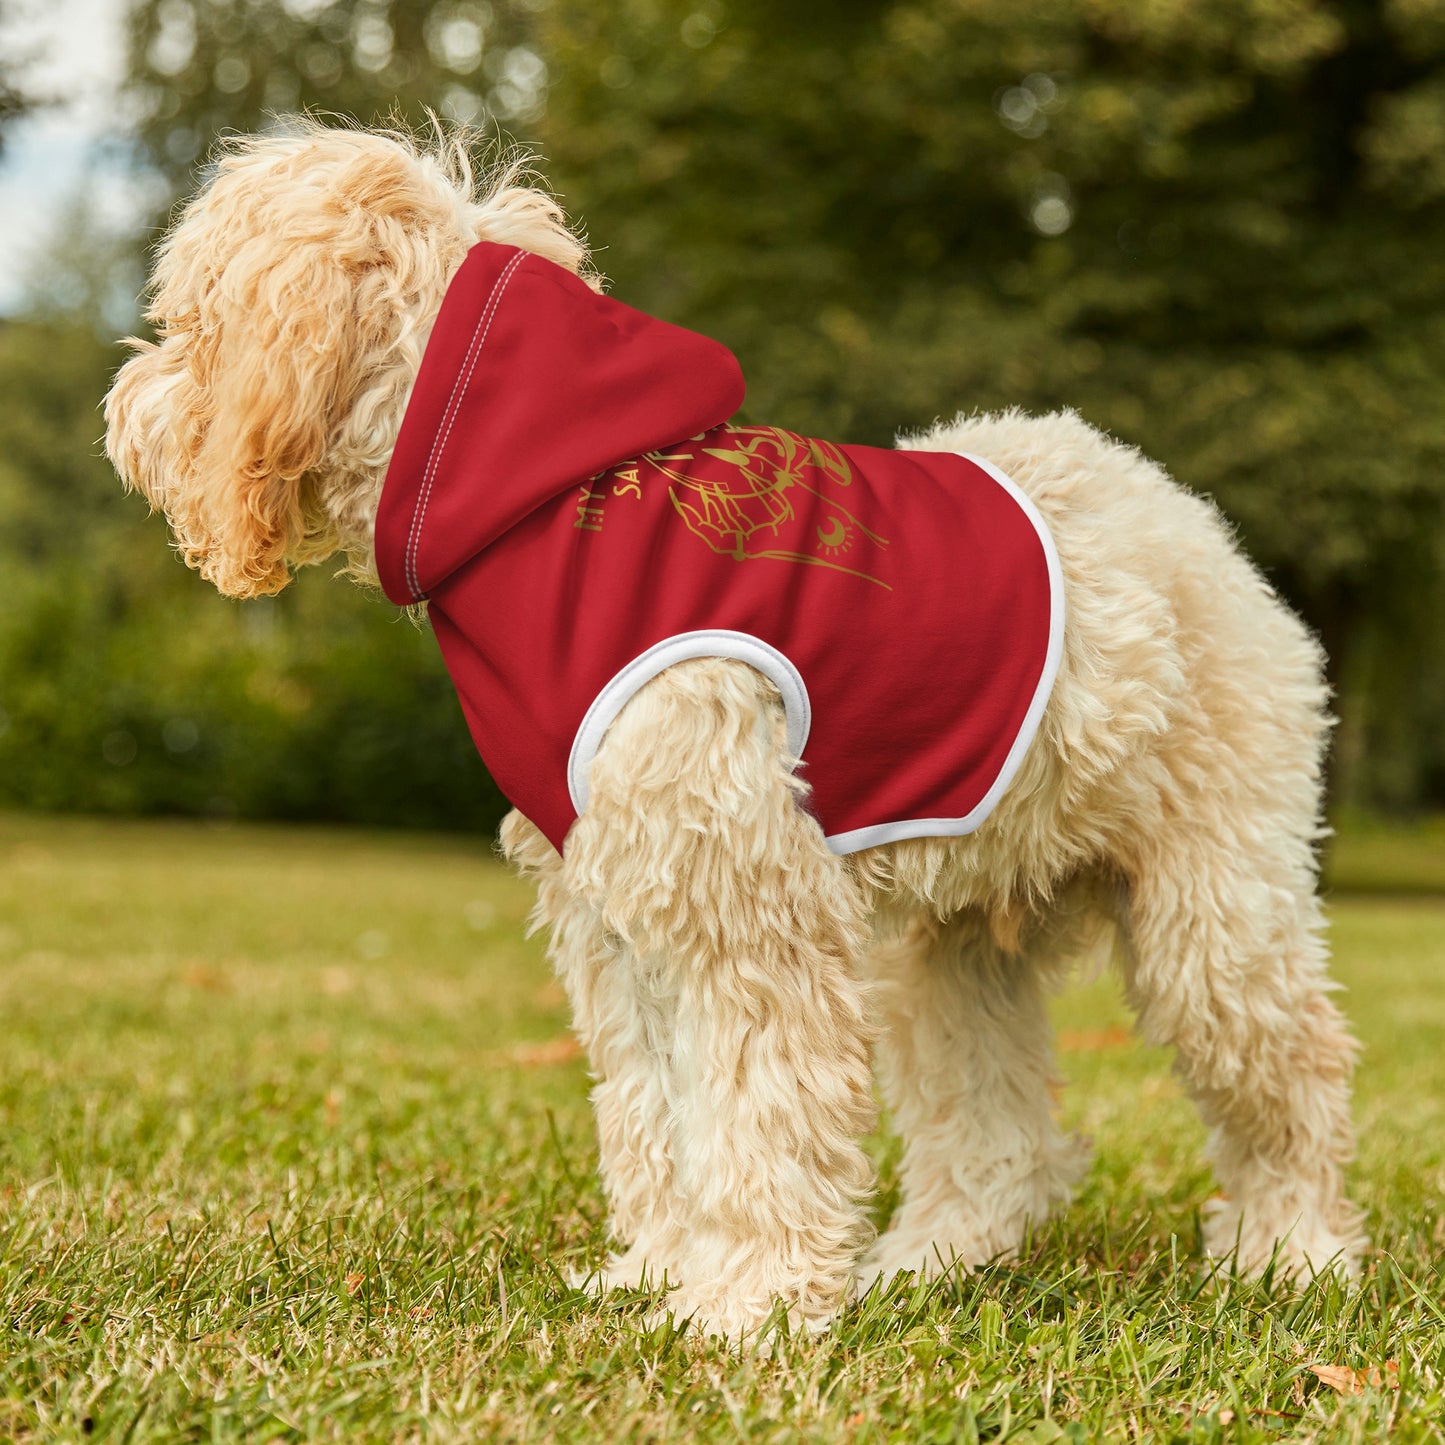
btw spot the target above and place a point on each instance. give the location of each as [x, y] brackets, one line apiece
[147, 412]
[288, 301]
[224, 421]
[278, 361]
[292, 301]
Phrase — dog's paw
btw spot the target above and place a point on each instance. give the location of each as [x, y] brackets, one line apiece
[1298, 1245]
[925, 1262]
[928, 1255]
[741, 1323]
[633, 1270]
[965, 1228]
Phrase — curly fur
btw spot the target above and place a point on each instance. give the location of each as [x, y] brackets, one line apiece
[729, 976]
[292, 301]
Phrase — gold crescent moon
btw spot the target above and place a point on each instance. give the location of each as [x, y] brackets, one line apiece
[833, 534]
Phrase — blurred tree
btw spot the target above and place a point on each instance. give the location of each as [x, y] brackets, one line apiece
[201, 67]
[1216, 227]
[14, 100]
[127, 685]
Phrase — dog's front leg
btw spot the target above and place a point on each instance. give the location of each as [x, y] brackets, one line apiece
[625, 1027]
[742, 930]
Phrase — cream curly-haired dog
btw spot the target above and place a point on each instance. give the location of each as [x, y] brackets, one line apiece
[731, 975]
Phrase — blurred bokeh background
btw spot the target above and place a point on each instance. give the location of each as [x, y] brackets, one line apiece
[1214, 227]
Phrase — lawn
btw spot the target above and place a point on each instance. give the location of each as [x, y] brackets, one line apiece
[293, 1145]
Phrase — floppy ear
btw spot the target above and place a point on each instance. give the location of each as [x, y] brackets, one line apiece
[145, 411]
[276, 365]
[293, 299]
[221, 424]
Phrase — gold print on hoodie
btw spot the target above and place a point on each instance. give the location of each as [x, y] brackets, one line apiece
[736, 489]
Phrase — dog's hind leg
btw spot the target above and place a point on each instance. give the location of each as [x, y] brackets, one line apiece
[966, 1060]
[696, 854]
[1228, 966]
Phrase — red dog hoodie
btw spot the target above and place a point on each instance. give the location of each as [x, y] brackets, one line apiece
[570, 498]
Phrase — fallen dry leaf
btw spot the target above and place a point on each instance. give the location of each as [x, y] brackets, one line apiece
[1346, 1381]
[354, 1282]
[561, 1050]
[197, 973]
[551, 995]
[1089, 1041]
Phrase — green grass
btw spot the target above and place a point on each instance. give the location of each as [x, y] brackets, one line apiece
[284, 1154]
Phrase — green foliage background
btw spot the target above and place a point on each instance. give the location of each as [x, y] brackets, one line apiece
[1215, 227]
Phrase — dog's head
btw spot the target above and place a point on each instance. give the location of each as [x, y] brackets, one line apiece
[292, 301]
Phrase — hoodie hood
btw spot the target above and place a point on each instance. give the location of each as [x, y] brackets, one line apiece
[531, 384]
